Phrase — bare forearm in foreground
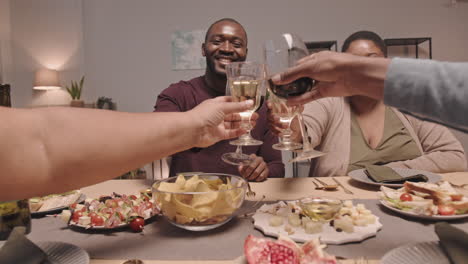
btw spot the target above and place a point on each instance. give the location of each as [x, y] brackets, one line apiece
[58, 149]
[67, 148]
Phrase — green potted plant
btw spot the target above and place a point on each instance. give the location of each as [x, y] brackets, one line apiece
[75, 92]
[105, 103]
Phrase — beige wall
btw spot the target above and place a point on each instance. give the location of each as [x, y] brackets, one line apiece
[127, 43]
[44, 34]
[123, 47]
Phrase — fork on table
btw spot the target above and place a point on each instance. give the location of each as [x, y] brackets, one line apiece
[250, 193]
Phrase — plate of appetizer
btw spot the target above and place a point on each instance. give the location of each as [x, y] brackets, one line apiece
[54, 203]
[112, 212]
[426, 201]
[361, 176]
[349, 223]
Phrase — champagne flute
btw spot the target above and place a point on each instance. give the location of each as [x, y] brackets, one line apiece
[281, 53]
[245, 81]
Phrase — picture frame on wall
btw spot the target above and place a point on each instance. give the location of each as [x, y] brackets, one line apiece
[186, 54]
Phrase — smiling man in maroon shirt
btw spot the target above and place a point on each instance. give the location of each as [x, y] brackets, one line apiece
[225, 42]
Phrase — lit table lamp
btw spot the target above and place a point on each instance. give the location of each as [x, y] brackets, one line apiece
[46, 80]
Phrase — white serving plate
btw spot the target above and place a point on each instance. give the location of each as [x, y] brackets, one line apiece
[420, 216]
[57, 210]
[89, 227]
[328, 236]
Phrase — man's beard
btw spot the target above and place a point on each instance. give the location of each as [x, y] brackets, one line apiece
[212, 67]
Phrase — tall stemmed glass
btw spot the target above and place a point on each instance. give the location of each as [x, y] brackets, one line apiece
[245, 81]
[281, 53]
[285, 114]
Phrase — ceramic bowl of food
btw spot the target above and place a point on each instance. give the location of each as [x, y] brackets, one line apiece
[199, 202]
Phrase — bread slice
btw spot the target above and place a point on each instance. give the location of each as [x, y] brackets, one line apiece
[431, 190]
[443, 193]
[59, 201]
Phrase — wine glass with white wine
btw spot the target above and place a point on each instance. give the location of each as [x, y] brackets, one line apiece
[245, 81]
[281, 53]
[285, 113]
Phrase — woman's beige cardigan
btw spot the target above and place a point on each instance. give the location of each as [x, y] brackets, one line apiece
[329, 126]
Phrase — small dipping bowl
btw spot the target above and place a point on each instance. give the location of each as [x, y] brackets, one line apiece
[320, 208]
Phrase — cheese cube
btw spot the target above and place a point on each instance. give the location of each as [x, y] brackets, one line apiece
[275, 220]
[84, 220]
[348, 203]
[312, 227]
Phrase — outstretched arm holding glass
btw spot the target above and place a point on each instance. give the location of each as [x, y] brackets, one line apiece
[430, 88]
[53, 150]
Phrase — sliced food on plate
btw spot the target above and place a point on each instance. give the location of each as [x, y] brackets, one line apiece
[53, 201]
[427, 199]
[284, 250]
[350, 223]
[112, 211]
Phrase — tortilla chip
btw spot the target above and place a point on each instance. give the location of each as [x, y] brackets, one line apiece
[206, 196]
[168, 208]
[182, 208]
[168, 187]
[181, 219]
[192, 183]
[180, 181]
[213, 184]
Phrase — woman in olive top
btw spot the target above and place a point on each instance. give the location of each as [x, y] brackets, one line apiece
[357, 131]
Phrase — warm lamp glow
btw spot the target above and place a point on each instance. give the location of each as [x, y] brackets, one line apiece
[46, 79]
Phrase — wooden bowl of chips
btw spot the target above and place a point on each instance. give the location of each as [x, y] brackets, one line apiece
[199, 202]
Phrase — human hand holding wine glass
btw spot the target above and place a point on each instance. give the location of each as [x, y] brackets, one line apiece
[245, 81]
[280, 54]
[338, 75]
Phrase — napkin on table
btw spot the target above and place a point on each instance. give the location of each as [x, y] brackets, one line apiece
[384, 174]
[19, 249]
[453, 241]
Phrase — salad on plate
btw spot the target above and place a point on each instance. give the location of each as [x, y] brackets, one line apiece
[108, 212]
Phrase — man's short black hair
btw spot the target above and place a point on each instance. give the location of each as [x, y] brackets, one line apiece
[365, 35]
[225, 19]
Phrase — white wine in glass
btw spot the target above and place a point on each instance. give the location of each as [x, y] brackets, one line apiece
[245, 81]
[286, 114]
[243, 89]
[280, 54]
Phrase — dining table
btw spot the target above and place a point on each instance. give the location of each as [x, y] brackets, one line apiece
[163, 243]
